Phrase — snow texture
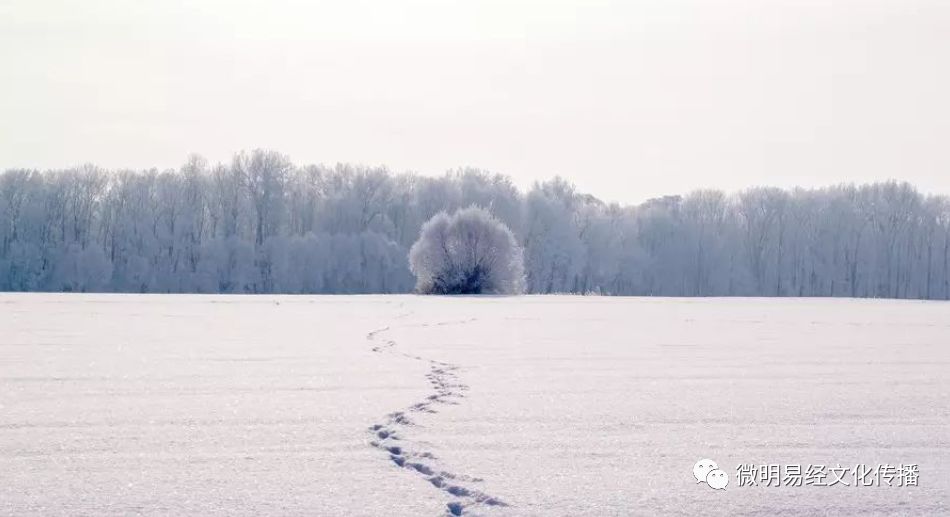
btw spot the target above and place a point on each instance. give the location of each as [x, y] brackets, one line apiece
[507, 406]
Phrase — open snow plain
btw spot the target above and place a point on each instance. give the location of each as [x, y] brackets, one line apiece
[406, 405]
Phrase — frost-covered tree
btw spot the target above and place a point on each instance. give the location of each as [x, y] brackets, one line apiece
[553, 246]
[468, 252]
[262, 224]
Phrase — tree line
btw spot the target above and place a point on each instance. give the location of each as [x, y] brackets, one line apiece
[263, 225]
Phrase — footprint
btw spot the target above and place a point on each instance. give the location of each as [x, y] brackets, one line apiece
[446, 386]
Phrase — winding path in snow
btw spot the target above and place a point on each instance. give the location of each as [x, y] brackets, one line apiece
[392, 434]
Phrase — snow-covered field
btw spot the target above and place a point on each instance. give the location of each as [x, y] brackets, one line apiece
[405, 405]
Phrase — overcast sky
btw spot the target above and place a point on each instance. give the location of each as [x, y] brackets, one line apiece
[628, 99]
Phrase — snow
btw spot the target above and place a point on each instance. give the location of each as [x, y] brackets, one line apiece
[539, 405]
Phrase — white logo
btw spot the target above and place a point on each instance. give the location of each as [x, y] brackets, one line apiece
[707, 471]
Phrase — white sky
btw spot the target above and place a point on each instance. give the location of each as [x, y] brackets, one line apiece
[627, 99]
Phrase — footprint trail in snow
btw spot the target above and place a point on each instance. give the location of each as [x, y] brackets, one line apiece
[392, 435]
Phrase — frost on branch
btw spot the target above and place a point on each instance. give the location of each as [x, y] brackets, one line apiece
[468, 252]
